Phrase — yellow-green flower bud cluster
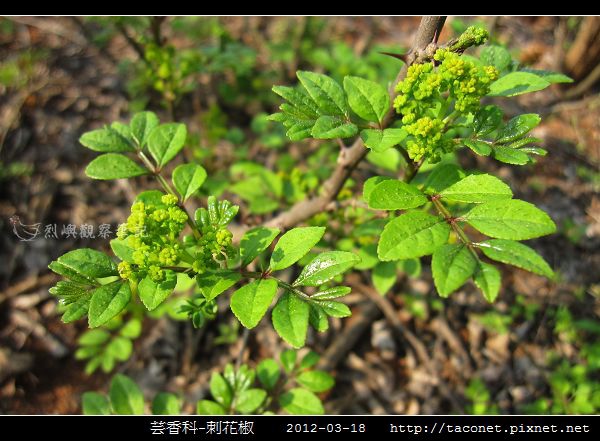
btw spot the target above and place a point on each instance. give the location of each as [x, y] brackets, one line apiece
[214, 246]
[466, 82]
[426, 138]
[152, 232]
[473, 36]
[428, 94]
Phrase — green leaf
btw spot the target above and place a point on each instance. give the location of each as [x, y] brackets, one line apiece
[299, 99]
[413, 234]
[534, 150]
[373, 227]
[487, 119]
[298, 132]
[331, 293]
[243, 378]
[69, 290]
[207, 407]
[317, 318]
[85, 352]
[496, 56]
[120, 348]
[509, 155]
[388, 160]
[477, 189]
[331, 127]
[132, 329]
[384, 276]
[114, 166]
[381, 140]
[523, 141]
[152, 294]
[255, 242]
[165, 141]
[510, 219]
[268, 373]
[517, 83]
[299, 401]
[370, 185]
[517, 254]
[165, 404]
[290, 319]
[123, 130]
[106, 140]
[125, 396]
[249, 400]
[142, 125]
[89, 263]
[93, 403]
[92, 365]
[288, 360]
[122, 250]
[518, 127]
[262, 205]
[487, 278]
[395, 195]
[325, 267]
[367, 99]
[107, 301]
[213, 283]
[70, 273]
[250, 302]
[442, 177]
[482, 148]
[294, 245]
[551, 77]
[324, 91]
[107, 363]
[310, 360]
[452, 265]
[334, 309]
[410, 267]
[220, 390]
[316, 381]
[94, 337]
[76, 310]
[188, 178]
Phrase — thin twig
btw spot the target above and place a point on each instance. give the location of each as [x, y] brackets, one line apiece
[138, 48]
[352, 156]
[344, 343]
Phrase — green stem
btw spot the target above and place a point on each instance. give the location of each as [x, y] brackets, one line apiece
[146, 162]
[451, 118]
[251, 274]
[167, 187]
[293, 290]
[178, 269]
[457, 229]
[163, 182]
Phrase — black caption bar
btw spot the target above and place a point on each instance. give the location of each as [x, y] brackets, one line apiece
[338, 427]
